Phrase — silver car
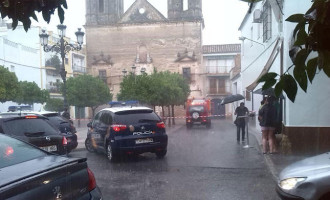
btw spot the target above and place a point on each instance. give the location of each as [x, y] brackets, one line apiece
[308, 179]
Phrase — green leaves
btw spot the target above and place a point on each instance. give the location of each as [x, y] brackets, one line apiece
[87, 91]
[60, 12]
[311, 68]
[296, 18]
[9, 86]
[54, 104]
[23, 10]
[159, 88]
[324, 62]
[30, 93]
[268, 76]
[289, 86]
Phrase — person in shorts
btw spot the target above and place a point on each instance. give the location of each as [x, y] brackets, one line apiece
[267, 117]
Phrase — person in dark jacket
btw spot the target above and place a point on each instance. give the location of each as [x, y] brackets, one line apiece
[267, 116]
[241, 113]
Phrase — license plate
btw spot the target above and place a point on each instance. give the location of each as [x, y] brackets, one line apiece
[49, 148]
[142, 141]
[96, 136]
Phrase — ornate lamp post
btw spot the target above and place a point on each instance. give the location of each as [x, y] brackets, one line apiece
[62, 47]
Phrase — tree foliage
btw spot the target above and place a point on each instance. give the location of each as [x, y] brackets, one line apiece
[157, 89]
[305, 63]
[87, 91]
[9, 87]
[29, 93]
[55, 62]
[54, 104]
[23, 10]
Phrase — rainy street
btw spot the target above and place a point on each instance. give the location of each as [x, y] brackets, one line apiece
[200, 164]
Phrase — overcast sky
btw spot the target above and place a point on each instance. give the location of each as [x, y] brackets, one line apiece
[222, 18]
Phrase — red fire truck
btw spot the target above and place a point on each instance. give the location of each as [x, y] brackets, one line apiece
[198, 111]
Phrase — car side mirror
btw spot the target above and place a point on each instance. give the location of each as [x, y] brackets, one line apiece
[89, 125]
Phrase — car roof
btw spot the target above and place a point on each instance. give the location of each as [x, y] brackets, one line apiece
[128, 108]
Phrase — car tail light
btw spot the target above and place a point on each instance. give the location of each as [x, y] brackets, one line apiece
[64, 141]
[91, 180]
[118, 127]
[161, 125]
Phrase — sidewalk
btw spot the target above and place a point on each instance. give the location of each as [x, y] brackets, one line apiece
[276, 162]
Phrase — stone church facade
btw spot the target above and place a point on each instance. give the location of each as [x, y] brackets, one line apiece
[144, 38]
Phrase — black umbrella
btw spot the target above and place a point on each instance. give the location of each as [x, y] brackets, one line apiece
[231, 98]
[268, 92]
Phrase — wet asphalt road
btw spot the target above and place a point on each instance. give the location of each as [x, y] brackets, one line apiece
[200, 164]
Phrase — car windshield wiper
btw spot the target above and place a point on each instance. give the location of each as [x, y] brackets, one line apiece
[39, 133]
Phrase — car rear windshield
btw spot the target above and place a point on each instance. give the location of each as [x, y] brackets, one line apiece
[196, 109]
[136, 116]
[56, 120]
[22, 126]
[13, 151]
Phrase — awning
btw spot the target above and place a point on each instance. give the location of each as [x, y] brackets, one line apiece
[268, 65]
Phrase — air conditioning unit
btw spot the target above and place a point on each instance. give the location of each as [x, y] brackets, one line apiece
[257, 16]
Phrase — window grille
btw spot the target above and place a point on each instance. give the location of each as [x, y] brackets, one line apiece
[267, 21]
[103, 75]
[101, 6]
[186, 74]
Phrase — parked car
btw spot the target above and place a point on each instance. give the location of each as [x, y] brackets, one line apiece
[30, 173]
[308, 179]
[65, 126]
[35, 129]
[127, 130]
[19, 108]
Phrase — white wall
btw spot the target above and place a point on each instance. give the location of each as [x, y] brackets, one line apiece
[255, 54]
[310, 109]
[20, 53]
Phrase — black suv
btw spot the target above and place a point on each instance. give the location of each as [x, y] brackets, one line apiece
[127, 130]
[64, 125]
[34, 129]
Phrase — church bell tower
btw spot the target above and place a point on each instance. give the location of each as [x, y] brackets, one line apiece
[103, 12]
[182, 10]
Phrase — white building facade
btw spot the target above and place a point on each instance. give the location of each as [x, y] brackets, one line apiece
[21, 56]
[266, 41]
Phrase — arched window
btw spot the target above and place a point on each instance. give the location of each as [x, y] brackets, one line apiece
[101, 6]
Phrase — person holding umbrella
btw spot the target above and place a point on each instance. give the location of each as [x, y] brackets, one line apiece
[241, 113]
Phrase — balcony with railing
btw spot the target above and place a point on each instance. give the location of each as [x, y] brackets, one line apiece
[218, 70]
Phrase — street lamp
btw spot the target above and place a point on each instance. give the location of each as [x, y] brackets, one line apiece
[133, 69]
[62, 47]
[143, 70]
[124, 72]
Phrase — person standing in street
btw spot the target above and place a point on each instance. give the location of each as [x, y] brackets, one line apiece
[267, 116]
[241, 113]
